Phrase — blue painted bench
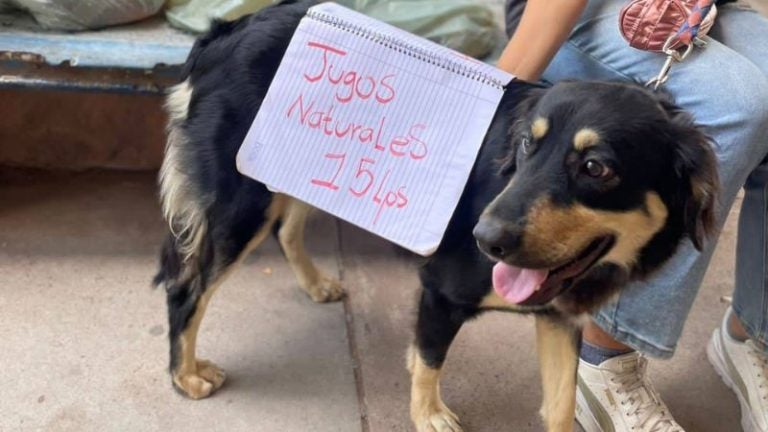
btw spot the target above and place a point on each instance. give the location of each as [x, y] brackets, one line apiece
[144, 57]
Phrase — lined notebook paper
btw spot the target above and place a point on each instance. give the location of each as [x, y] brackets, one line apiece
[373, 125]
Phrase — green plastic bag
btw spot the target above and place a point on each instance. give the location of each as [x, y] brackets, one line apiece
[463, 25]
[195, 15]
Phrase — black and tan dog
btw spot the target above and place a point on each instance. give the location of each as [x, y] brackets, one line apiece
[578, 189]
[599, 184]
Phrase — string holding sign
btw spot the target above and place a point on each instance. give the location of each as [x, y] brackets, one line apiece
[372, 124]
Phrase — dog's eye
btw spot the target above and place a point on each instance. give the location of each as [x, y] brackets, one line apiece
[596, 169]
[526, 144]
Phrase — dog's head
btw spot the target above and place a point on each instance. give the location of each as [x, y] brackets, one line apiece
[605, 181]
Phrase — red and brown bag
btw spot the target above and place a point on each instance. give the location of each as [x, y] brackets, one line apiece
[649, 24]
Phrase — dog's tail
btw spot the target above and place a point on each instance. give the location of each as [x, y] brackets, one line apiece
[183, 204]
[170, 263]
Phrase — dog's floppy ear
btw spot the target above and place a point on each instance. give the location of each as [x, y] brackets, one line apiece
[695, 164]
[522, 114]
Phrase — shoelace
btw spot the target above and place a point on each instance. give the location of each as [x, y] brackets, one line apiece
[640, 401]
[760, 361]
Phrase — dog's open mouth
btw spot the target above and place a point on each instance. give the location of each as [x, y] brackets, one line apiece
[529, 287]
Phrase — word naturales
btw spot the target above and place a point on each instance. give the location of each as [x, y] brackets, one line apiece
[362, 180]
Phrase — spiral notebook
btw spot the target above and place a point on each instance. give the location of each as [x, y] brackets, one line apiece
[373, 125]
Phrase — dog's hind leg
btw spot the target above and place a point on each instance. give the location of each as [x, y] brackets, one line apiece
[319, 286]
[438, 323]
[557, 342]
[191, 279]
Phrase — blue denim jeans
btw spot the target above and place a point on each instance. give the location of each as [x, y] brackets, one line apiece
[725, 86]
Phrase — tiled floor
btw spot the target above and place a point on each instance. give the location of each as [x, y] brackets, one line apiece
[84, 346]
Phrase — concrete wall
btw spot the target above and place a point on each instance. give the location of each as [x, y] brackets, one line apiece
[64, 130]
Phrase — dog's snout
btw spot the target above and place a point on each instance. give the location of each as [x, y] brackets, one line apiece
[496, 238]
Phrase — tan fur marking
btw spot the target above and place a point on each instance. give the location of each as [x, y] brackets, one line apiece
[199, 378]
[189, 376]
[585, 138]
[558, 361]
[428, 412]
[539, 128]
[554, 234]
[494, 301]
[639, 228]
[320, 287]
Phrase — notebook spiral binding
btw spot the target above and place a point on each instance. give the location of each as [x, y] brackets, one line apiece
[403, 47]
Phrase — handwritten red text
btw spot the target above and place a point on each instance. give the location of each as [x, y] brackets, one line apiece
[366, 184]
[351, 83]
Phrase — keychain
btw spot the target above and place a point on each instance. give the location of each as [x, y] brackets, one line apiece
[687, 35]
[673, 56]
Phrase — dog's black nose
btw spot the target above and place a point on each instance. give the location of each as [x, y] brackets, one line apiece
[495, 237]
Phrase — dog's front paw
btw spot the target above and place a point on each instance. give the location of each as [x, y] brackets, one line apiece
[326, 289]
[436, 420]
[200, 384]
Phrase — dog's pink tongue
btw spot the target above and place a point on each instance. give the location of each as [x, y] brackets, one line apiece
[516, 284]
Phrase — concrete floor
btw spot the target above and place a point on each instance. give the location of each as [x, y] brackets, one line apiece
[84, 346]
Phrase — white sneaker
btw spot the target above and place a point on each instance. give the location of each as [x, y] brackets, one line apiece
[616, 396]
[743, 367]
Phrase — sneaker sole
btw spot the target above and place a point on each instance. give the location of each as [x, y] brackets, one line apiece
[584, 415]
[715, 357]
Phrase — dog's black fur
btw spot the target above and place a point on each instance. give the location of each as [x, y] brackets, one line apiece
[640, 160]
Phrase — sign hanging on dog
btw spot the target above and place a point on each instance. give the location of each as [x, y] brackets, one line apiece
[373, 125]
